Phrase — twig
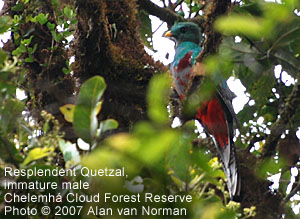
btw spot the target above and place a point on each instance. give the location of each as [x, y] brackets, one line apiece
[50, 58]
[288, 111]
[253, 141]
[254, 45]
[178, 3]
[164, 2]
[162, 13]
[190, 12]
[158, 27]
[292, 193]
[281, 38]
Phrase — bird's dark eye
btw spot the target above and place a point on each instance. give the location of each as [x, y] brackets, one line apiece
[183, 29]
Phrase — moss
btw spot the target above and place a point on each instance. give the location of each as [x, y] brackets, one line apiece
[44, 76]
[108, 44]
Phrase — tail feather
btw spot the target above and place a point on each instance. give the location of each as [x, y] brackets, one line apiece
[217, 117]
[230, 166]
[228, 153]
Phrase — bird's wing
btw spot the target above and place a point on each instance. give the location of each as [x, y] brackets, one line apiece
[226, 96]
[228, 153]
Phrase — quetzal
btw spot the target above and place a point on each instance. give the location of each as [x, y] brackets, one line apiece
[215, 114]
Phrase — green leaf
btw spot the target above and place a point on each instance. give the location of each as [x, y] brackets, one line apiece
[3, 56]
[284, 181]
[22, 48]
[104, 157]
[147, 144]
[29, 59]
[253, 8]
[246, 113]
[26, 42]
[16, 52]
[34, 48]
[108, 124]
[202, 93]
[276, 12]
[55, 3]
[10, 114]
[85, 115]
[288, 61]
[8, 87]
[153, 145]
[261, 90]
[37, 153]
[146, 28]
[9, 153]
[70, 152]
[91, 91]
[68, 12]
[5, 22]
[74, 21]
[42, 18]
[66, 70]
[195, 8]
[251, 62]
[16, 19]
[67, 33]
[56, 36]
[18, 7]
[179, 157]
[60, 21]
[289, 34]
[50, 26]
[157, 98]
[178, 181]
[240, 24]
[270, 167]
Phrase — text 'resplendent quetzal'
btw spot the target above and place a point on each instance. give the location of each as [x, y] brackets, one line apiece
[216, 114]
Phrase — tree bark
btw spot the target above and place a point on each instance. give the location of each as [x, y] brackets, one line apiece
[108, 44]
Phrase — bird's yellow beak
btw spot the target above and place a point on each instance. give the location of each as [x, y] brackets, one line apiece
[168, 34]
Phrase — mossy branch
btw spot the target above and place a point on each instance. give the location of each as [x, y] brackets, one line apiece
[213, 39]
[285, 116]
[162, 13]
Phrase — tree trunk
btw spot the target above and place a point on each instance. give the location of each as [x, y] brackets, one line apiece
[108, 44]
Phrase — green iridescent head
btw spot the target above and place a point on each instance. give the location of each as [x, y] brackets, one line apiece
[184, 32]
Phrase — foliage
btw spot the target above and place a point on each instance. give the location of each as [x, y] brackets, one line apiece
[259, 47]
[159, 155]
